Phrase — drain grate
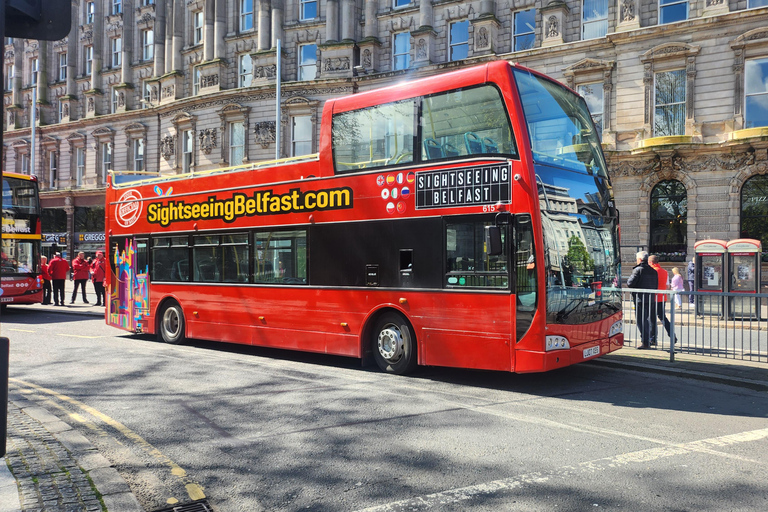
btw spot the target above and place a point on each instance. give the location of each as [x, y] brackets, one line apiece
[198, 506]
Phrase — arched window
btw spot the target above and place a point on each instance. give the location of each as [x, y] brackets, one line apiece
[754, 209]
[669, 221]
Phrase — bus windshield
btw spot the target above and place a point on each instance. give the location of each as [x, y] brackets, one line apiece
[19, 197]
[560, 128]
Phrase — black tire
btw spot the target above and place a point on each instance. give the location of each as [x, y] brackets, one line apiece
[171, 324]
[393, 343]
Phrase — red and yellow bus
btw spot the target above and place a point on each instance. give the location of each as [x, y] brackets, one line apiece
[22, 241]
[462, 220]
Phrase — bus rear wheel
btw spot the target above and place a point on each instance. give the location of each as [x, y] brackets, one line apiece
[171, 324]
[394, 344]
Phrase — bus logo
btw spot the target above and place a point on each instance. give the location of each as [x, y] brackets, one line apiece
[128, 208]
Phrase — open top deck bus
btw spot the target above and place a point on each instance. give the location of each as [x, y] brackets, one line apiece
[22, 240]
[462, 220]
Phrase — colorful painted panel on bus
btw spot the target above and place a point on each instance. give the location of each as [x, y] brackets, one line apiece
[128, 303]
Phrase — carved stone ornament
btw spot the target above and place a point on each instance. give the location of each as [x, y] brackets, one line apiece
[367, 58]
[627, 10]
[264, 133]
[482, 37]
[153, 93]
[166, 147]
[65, 110]
[91, 105]
[121, 99]
[207, 140]
[421, 49]
[168, 91]
[209, 81]
[336, 64]
[264, 71]
[553, 30]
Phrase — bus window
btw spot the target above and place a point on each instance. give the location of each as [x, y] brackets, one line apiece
[525, 273]
[205, 256]
[465, 122]
[468, 263]
[374, 137]
[170, 259]
[235, 265]
[281, 257]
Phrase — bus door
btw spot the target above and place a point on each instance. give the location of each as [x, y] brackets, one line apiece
[127, 285]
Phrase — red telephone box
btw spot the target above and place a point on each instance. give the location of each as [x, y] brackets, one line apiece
[710, 268]
[744, 277]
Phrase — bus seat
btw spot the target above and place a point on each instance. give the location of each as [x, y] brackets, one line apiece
[490, 145]
[433, 149]
[473, 143]
[450, 150]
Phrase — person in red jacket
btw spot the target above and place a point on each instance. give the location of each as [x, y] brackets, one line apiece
[98, 274]
[57, 269]
[46, 280]
[81, 273]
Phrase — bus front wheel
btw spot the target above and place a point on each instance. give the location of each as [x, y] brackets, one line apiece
[394, 344]
[172, 324]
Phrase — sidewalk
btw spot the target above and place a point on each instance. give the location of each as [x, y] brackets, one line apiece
[53, 468]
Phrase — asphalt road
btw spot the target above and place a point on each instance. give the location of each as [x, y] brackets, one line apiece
[253, 429]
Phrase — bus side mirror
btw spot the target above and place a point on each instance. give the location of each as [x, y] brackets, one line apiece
[493, 240]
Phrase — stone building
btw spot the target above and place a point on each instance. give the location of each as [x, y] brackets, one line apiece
[678, 88]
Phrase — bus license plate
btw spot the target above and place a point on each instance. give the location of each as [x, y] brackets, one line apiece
[6, 299]
[593, 351]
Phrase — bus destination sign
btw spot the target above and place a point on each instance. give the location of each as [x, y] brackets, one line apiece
[470, 186]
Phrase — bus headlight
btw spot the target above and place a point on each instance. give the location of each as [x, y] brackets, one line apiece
[557, 343]
[616, 328]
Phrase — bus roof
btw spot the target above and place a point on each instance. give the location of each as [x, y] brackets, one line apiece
[27, 177]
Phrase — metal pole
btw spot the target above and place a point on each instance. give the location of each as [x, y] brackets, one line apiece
[277, 102]
[672, 336]
[33, 118]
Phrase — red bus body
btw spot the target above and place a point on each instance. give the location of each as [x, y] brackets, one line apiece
[467, 328]
[22, 241]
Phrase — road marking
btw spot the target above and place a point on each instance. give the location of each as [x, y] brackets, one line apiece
[79, 336]
[20, 330]
[194, 490]
[454, 496]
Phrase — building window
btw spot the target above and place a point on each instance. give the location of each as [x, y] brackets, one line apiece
[10, 71]
[307, 61]
[117, 6]
[756, 93]
[594, 19]
[401, 3]
[113, 103]
[593, 95]
[459, 40]
[60, 111]
[187, 143]
[246, 70]
[146, 95]
[754, 4]
[525, 30]
[145, 3]
[236, 143]
[53, 170]
[80, 166]
[24, 163]
[401, 50]
[62, 66]
[147, 44]
[198, 21]
[88, 59]
[754, 209]
[138, 154]
[308, 10]
[671, 11]
[669, 113]
[195, 81]
[90, 12]
[106, 161]
[246, 15]
[116, 49]
[301, 135]
[34, 69]
[669, 221]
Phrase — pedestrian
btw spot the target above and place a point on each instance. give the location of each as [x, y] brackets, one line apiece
[677, 285]
[81, 273]
[46, 276]
[58, 268]
[643, 278]
[691, 278]
[661, 298]
[98, 274]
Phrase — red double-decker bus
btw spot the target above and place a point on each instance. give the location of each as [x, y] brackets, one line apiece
[22, 240]
[462, 220]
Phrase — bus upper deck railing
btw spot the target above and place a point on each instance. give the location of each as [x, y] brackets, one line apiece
[727, 325]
